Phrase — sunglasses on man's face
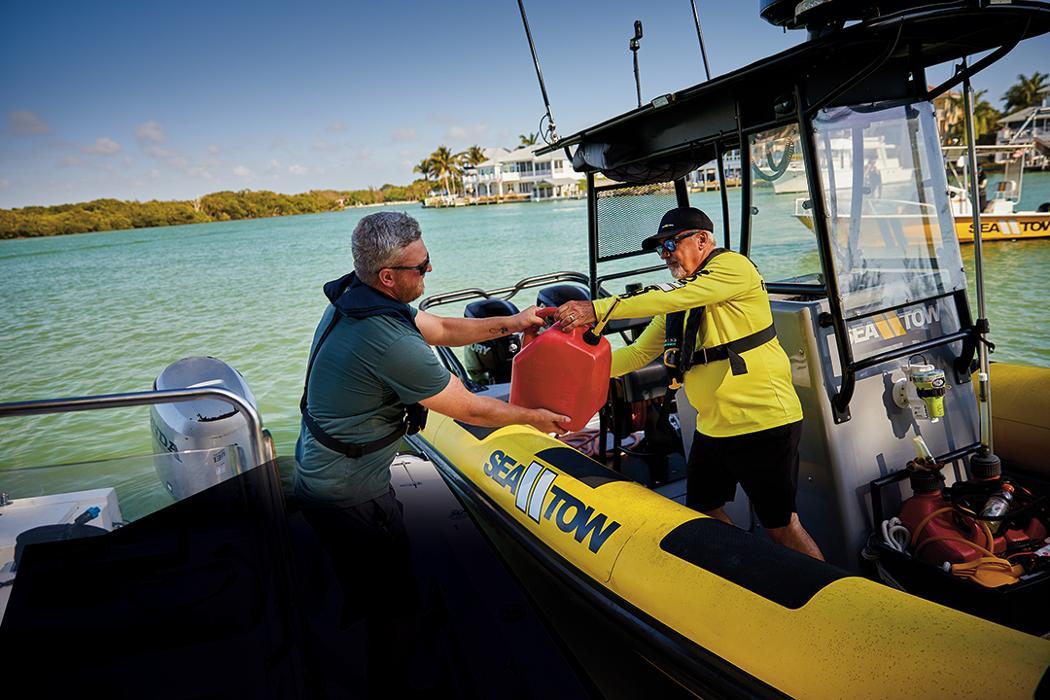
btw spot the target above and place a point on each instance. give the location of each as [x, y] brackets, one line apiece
[421, 268]
[671, 244]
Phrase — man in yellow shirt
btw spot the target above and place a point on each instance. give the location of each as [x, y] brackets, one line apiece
[714, 327]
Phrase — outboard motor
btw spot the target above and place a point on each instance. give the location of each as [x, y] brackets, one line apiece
[489, 362]
[561, 293]
[199, 443]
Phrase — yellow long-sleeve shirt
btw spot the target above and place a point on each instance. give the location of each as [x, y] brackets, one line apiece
[736, 303]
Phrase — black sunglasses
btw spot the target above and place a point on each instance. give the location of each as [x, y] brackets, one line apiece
[671, 244]
[421, 268]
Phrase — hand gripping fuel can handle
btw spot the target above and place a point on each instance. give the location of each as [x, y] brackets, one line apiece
[592, 336]
[532, 332]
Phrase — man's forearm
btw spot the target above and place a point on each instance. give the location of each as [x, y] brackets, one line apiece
[487, 412]
[464, 331]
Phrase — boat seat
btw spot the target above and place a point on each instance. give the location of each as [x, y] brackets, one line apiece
[649, 382]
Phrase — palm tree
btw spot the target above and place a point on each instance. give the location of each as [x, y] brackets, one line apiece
[473, 156]
[424, 168]
[470, 158]
[444, 164]
[528, 139]
[1025, 92]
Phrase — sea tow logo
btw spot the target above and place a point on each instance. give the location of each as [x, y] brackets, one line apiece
[530, 486]
[892, 325]
[1012, 228]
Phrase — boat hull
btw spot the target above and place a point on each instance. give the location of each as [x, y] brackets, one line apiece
[793, 624]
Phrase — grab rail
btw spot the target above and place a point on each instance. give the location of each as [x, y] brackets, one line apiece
[259, 451]
[502, 292]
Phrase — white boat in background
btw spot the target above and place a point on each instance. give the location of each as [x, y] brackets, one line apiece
[1000, 219]
[876, 151]
[906, 219]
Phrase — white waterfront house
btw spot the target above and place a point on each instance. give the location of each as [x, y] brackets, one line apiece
[1028, 125]
[521, 174]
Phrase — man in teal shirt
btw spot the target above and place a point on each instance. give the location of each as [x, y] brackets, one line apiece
[375, 360]
[370, 373]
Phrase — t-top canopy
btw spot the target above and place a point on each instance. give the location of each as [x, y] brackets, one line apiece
[879, 60]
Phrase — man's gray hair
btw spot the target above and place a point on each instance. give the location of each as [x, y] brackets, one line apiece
[378, 240]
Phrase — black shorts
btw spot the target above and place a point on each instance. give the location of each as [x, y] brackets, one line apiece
[765, 464]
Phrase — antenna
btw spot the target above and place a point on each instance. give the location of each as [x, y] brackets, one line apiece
[700, 38]
[634, 49]
[551, 133]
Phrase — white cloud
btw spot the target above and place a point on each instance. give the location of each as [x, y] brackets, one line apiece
[103, 146]
[150, 132]
[336, 127]
[26, 123]
[407, 134]
[157, 152]
[70, 161]
[213, 150]
[297, 169]
[241, 171]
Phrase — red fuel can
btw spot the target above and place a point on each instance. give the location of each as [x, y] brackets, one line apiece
[914, 511]
[562, 372]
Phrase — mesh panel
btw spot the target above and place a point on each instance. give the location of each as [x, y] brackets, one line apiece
[628, 215]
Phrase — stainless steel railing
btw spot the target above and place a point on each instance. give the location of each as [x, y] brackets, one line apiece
[259, 451]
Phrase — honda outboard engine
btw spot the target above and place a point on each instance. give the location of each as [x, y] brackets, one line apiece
[489, 362]
[199, 443]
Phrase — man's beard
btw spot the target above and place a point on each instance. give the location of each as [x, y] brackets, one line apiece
[408, 294]
[676, 270]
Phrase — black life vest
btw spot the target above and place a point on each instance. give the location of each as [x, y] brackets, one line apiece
[680, 351]
[353, 298]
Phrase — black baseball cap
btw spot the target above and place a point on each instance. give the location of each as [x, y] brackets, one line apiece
[677, 220]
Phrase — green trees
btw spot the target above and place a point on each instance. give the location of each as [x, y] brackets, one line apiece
[445, 166]
[113, 214]
[1025, 92]
[424, 168]
[529, 139]
[473, 156]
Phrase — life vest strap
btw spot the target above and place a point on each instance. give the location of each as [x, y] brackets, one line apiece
[732, 350]
[413, 420]
[351, 449]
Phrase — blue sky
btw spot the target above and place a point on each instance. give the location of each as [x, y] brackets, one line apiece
[144, 100]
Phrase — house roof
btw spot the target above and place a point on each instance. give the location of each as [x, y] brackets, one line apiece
[1023, 114]
[523, 153]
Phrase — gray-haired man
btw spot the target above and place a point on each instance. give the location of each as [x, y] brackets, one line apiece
[370, 375]
[371, 362]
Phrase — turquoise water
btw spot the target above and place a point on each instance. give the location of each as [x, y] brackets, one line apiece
[106, 312]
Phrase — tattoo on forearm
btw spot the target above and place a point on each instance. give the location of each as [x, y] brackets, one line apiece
[499, 331]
